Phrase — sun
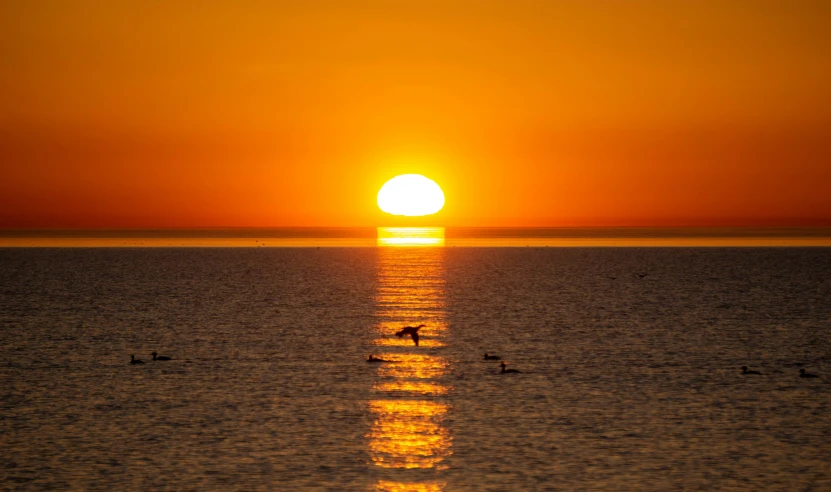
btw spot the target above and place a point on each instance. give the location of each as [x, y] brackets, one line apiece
[411, 195]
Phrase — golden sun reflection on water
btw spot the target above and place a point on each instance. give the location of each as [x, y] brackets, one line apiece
[414, 366]
[386, 486]
[408, 432]
[406, 342]
[415, 388]
[411, 236]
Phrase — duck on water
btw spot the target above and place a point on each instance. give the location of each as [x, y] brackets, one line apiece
[746, 371]
[505, 371]
[133, 360]
[372, 358]
[159, 357]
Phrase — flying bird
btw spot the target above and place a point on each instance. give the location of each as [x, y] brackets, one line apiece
[410, 330]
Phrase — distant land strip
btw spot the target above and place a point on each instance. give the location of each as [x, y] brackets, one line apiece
[453, 236]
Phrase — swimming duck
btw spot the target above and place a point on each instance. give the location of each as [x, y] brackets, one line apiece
[133, 360]
[804, 374]
[410, 330]
[372, 358]
[491, 357]
[745, 371]
[159, 357]
[504, 365]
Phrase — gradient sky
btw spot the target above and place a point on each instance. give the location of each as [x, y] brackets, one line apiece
[532, 113]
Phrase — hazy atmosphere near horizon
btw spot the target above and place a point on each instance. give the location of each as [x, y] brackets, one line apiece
[415, 245]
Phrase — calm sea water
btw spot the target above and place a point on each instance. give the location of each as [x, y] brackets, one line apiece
[630, 363]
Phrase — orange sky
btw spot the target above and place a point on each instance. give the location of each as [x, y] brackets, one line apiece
[532, 113]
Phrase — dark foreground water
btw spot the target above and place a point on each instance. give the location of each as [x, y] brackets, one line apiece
[630, 363]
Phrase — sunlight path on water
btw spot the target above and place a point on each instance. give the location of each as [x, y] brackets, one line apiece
[408, 441]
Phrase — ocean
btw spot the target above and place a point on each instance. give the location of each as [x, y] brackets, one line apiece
[630, 361]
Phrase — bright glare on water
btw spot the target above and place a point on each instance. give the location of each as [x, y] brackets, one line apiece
[630, 361]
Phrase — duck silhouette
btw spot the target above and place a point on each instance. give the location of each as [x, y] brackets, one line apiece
[491, 357]
[159, 357]
[804, 374]
[372, 358]
[410, 330]
[745, 371]
[505, 371]
[133, 360]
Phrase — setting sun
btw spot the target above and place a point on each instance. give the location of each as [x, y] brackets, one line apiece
[411, 195]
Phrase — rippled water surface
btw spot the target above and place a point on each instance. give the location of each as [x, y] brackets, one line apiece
[630, 369]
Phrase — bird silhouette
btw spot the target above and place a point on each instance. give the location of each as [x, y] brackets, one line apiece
[159, 357]
[745, 371]
[804, 374]
[410, 330]
[504, 370]
[372, 358]
[133, 360]
[491, 357]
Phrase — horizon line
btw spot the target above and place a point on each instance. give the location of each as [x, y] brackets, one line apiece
[454, 236]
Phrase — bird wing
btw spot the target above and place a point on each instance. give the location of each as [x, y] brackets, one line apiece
[415, 337]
